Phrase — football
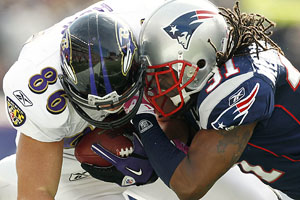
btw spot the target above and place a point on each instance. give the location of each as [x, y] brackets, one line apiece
[112, 140]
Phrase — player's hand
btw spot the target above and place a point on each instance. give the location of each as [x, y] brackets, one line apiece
[112, 175]
[132, 170]
[145, 106]
[107, 174]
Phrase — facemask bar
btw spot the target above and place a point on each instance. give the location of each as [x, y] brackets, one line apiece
[102, 103]
[111, 97]
[113, 124]
[153, 71]
[95, 102]
[78, 101]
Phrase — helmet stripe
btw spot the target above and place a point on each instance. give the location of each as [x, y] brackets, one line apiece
[104, 71]
[107, 84]
[92, 77]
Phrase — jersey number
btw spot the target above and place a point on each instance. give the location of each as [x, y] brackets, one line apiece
[39, 83]
[269, 177]
[230, 68]
[292, 74]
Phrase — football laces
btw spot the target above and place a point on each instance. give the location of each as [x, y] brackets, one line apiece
[125, 152]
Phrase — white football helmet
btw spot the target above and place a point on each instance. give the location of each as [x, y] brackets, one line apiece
[177, 42]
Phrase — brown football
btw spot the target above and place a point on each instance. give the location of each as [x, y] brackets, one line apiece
[112, 140]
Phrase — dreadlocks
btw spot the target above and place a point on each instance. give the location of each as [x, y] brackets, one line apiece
[245, 29]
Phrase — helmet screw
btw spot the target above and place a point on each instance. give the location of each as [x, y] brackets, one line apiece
[180, 55]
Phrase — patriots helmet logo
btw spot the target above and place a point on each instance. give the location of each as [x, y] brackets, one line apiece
[237, 112]
[183, 27]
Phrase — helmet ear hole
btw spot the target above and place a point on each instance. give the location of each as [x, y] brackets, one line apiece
[201, 63]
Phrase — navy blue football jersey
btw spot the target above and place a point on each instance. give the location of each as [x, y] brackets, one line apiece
[262, 88]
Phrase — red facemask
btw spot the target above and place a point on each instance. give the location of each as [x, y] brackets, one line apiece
[162, 83]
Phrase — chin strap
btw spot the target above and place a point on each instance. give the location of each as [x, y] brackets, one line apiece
[186, 95]
[177, 99]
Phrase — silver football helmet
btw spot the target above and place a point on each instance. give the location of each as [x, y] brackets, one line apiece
[178, 44]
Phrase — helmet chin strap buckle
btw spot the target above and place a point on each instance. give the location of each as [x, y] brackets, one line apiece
[177, 99]
[178, 67]
[186, 97]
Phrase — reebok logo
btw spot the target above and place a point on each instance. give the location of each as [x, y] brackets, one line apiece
[22, 98]
[78, 176]
[237, 96]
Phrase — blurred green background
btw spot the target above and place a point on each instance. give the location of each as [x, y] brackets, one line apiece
[283, 12]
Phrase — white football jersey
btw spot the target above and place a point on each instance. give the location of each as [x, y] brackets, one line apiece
[35, 101]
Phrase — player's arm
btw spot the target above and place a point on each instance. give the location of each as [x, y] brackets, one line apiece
[210, 155]
[175, 128]
[38, 167]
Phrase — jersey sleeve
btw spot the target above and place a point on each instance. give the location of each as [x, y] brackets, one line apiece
[36, 104]
[27, 109]
[242, 103]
